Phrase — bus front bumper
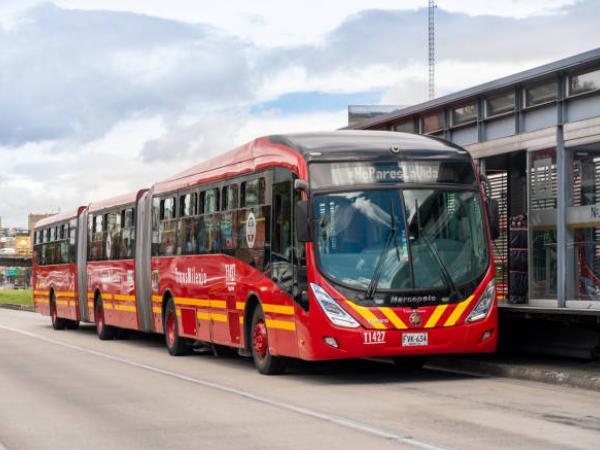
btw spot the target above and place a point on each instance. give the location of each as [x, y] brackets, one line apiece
[338, 343]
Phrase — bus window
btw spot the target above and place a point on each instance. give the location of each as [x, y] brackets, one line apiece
[97, 241]
[253, 192]
[73, 241]
[112, 236]
[230, 197]
[168, 227]
[127, 233]
[210, 200]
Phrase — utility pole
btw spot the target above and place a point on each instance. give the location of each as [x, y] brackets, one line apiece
[432, 7]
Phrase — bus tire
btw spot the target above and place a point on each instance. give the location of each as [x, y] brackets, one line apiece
[409, 363]
[176, 345]
[58, 323]
[104, 332]
[72, 324]
[266, 363]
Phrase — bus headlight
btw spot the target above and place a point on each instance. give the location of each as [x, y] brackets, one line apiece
[482, 308]
[334, 312]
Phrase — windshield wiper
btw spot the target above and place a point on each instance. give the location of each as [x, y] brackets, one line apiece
[436, 255]
[379, 267]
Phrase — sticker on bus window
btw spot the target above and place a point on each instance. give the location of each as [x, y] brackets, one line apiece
[250, 230]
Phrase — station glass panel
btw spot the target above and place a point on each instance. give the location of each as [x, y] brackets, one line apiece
[585, 82]
[542, 223]
[583, 222]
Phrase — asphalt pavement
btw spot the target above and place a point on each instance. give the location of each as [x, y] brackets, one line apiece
[67, 389]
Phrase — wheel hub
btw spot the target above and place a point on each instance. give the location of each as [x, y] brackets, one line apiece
[171, 328]
[100, 319]
[260, 339]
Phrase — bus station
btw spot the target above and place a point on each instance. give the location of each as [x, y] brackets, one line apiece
[536, 135]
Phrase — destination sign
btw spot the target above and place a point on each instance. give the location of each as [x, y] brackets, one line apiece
[372, 172]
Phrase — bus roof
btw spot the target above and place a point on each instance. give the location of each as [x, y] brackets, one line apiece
[254, 155]
[60, 217]
[368, 144]
[119, 200]
[292, 150]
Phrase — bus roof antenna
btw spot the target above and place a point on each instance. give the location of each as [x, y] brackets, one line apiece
[431, 48]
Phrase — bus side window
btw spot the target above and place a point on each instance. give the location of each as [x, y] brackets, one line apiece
[186, 228]
[228, 219]
[167, 227]
[73, 241]
[156, 210]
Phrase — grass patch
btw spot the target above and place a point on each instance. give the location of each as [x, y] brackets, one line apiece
[16, 297]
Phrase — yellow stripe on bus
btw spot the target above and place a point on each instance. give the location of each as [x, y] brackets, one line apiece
[367, 315]
[62, 302]
[437, 313]
[90, 304]
[157, 298]
[124, 297]
[279, 309]
[202, 302]
[65, 293]
[280, 324]
[40, 292]
[192, 301]
[218, 317]
[391, 315]
[240, 305]
[90, 295]
[460, 308]
[241, 320]
[42, 300]
[157, 309]
[214, 316]
[129, 308]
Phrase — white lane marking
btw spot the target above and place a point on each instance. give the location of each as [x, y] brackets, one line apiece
[338, 420]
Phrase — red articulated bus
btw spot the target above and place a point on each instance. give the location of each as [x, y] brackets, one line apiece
[346, 244]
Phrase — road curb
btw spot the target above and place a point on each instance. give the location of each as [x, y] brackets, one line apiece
[559, 376]
[16, 307]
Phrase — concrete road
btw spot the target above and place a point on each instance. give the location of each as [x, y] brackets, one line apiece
[67, 389]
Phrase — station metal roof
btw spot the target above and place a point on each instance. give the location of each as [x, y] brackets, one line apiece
[579, 61]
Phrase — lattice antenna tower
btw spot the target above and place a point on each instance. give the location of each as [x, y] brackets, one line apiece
[431, 47]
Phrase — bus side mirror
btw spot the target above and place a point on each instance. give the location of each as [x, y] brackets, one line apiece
[302, 222]
[493, 217]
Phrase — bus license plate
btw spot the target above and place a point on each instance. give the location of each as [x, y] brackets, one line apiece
[414, 339]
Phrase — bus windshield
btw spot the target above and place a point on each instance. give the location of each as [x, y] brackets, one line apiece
[421, 238]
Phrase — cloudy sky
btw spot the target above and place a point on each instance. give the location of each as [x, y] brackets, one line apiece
[101, 97]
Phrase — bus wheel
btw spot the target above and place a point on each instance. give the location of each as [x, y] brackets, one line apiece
[176, 345]
[104, 332]
[57, 322]
[266, 363]
[72, 324]
[409, 363]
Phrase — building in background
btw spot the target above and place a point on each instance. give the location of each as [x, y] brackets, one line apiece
[16, 251]
[536, 134]
[361, 113]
